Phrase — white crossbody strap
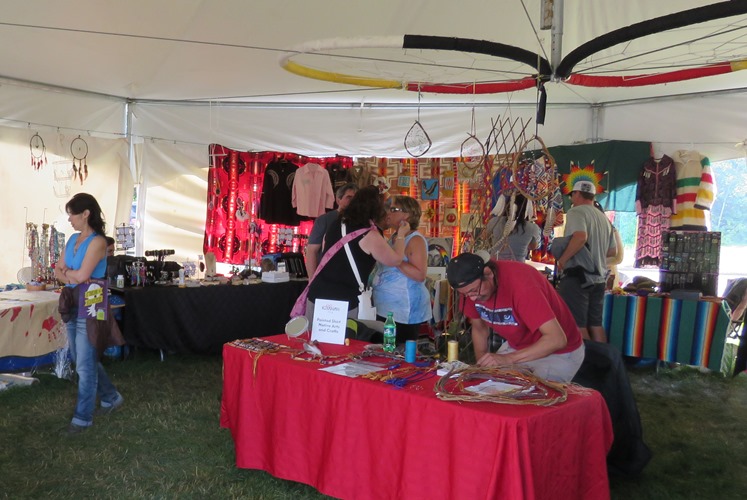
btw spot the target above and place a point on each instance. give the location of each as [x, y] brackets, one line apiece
[352, 262]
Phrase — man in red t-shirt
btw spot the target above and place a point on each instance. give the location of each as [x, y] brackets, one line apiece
[519, 303]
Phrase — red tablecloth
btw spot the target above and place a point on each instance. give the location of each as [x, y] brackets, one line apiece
[356, 438]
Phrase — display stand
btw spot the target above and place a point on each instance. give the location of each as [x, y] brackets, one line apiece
[690, 261]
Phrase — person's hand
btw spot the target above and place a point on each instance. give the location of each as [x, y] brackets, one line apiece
[495, 359]
[403, 228]
[559, 264]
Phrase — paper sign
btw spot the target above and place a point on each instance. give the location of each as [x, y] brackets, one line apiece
[93, 299]
[330, 320]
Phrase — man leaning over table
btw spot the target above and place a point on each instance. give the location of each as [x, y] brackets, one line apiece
[520, 305]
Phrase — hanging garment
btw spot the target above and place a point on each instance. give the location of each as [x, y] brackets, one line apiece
[275, 206]
[312, 191]
[338, 174]
[655, 197]
[362, 175]
[696, 190]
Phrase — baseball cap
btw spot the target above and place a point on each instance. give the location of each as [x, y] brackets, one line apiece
[585, 187]
[464, 269]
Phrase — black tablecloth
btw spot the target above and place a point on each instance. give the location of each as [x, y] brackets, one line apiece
[202, 319]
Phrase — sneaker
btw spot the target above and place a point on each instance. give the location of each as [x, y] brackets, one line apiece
[107, 410]
[74, 429]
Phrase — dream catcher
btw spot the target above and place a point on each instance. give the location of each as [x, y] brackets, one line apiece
[471, 152]
[534, 173]
[417, 141]
[38, 151]
[79, 150]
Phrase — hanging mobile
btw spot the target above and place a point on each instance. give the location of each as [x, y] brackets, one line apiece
[417, 141]
[79, 150]
[38, 151]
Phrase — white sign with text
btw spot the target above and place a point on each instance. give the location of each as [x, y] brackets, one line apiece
[330, 320]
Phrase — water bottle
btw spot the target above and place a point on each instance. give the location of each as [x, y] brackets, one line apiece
[390, 333]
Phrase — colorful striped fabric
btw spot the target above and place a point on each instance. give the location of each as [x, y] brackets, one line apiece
[681, 331]
[696, 190]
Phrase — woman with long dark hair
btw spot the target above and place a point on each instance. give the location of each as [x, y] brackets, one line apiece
[83, 258]
[336, 280]
[522, 237]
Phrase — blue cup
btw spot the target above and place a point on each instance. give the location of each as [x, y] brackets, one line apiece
[411, 348]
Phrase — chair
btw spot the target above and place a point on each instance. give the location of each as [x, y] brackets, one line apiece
[603, 370]
[25, 274]
[735, 296]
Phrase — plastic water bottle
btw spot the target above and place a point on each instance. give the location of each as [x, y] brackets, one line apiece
[390, 333]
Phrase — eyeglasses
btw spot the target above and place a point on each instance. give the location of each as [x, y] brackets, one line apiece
[395, 210]
[475, 291]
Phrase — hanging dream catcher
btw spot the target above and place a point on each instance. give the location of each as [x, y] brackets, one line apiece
[79, 150]
[534, 173]
[417, 141]
[38, 151]
[472, 153]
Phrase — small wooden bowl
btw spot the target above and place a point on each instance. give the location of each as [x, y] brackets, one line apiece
[36, 288]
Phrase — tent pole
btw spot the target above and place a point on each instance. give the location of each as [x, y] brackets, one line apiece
[556, 50]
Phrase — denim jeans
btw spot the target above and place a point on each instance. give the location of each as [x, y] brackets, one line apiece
[92, 379]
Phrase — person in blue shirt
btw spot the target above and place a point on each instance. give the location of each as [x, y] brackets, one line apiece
[400, 289]
[83, 258]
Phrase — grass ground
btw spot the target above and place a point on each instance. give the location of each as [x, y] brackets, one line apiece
[166, 441]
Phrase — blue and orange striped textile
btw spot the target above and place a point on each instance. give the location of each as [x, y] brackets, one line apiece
[681, 331]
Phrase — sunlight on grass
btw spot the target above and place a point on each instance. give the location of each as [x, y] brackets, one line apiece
[166, 441]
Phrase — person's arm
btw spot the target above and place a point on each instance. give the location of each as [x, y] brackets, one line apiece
[60, 269]
[612, 248]
[315, 243]
[736, 314]
[480, 334]
[95, 252]
[576, 243]
[374, 244]
[312, 258]
[534, 242]
[553, 338]
[416, 266]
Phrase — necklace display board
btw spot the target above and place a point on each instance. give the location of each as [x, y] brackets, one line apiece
[690, 260]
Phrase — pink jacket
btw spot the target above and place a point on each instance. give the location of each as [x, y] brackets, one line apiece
[312, 191]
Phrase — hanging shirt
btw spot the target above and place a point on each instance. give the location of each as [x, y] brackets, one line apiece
[275, 206]
[696, 190]
[338, 174]
[312, 191]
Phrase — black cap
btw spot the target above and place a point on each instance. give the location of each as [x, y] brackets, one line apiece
[464, 269]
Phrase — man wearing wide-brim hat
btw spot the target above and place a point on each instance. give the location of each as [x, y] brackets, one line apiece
[520, 304]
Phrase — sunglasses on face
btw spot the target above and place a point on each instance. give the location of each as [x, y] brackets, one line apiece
[394, 210]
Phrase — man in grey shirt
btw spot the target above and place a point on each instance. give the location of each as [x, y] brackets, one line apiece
[343, 195]
[586, 226]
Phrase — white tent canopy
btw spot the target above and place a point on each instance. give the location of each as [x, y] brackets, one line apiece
[168, 78]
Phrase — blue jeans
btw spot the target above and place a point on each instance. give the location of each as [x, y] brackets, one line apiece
[92, 379]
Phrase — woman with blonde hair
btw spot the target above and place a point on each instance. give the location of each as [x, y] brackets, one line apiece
[400, 289]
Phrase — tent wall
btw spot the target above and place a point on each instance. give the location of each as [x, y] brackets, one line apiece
[35, 196]
[350, 130]
[44, 108]
[711, 124]
[174, 202]
[171, 152]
